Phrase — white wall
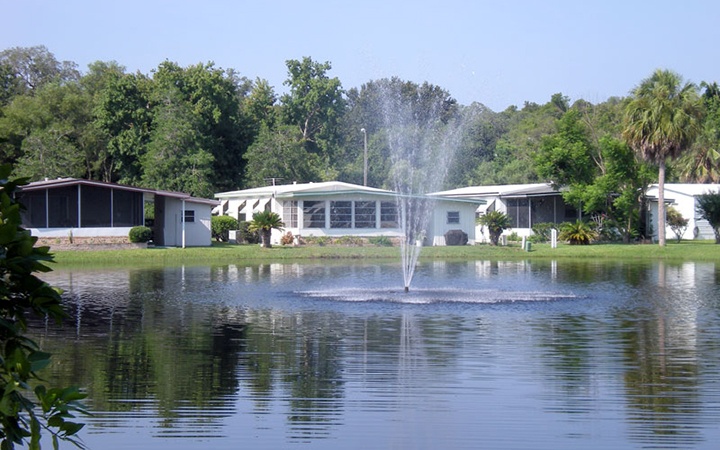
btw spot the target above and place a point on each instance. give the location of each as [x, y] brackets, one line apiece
[197, 233]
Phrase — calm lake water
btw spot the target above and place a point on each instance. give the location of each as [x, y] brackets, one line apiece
[479, 355]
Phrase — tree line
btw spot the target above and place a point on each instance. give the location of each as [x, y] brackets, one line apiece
[202, 129]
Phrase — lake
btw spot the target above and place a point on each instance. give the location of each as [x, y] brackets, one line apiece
[326, 355]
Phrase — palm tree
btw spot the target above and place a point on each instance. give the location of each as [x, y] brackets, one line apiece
[264, 222]
[661, 121]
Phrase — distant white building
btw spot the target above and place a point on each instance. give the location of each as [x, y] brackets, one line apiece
[87, 209]
[335, 209]
[525, 204]
[682, 197]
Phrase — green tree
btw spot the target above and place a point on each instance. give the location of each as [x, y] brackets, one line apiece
[708, 206]
[678, 224]
[702, 163]
[45, 133]
[33, 67]
[22, 296]
[496, 222]
[123, 114]
[280, 154]
[662, 120]
[214, 97]
[564, 157]
[264, 222]
[175, 159]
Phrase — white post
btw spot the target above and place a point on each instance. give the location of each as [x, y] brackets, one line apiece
[553, 238]
[182, 217]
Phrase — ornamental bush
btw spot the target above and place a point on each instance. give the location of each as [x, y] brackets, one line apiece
[140, 234]
[221, 226]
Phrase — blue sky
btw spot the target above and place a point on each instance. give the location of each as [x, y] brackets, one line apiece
[498, 53]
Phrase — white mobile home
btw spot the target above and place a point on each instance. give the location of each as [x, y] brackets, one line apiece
[682, 197]
[337, 209]
[525, 204]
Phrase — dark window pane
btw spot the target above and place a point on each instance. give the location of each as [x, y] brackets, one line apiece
[127, 208]
[95, 206]
[314, 214]
[341, 214]
[453, 217]
[388, 215]
[63, 207]
[189, 215]
[365, 215]
[35, 215]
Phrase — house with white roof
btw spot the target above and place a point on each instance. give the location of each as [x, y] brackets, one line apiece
[86, 210]
[335, 209]
[525, 204]
[682, 197]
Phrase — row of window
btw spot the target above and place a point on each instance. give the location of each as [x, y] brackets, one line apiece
[342, 214]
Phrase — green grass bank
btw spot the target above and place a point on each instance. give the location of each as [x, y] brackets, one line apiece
[220, 253]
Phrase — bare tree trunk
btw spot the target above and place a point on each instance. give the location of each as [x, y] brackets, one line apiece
[265, 236]
[661, 204]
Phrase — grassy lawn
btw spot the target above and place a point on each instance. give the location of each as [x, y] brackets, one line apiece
[226, 253]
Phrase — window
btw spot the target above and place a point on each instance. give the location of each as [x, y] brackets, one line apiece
[341, 214]
[290, 214]
[95, 206]
[365, 215]
[35, 215]
[313, 214]
[519, 212]
[127, 208]
[189, 215]
[63, 207]
[453, 217]
[388, 215]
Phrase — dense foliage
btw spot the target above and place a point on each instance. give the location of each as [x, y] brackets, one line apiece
[140, 234]
[202, 129]
[221, 226]
[23, 296]
[708, 206]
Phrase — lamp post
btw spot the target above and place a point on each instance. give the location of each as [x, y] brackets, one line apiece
[364, 132]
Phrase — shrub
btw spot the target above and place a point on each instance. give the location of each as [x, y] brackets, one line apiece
[287, 239]
[351, 241]
[380, 241]
[140, 234]
[541, 232]
[577, 233]
[245, 235]
[677, 223]
[496, 222]
[221, 226]
[708, 206]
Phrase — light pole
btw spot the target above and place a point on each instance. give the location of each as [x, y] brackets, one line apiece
[364, 132]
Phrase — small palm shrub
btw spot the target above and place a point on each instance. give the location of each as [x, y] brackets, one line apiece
[708, 206]
[140, 234]
[496, 222]
[264, 222]
[577, 233]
